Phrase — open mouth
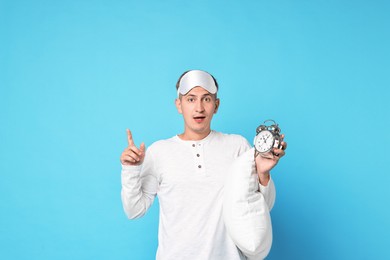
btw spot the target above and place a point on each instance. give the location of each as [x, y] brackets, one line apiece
[199, 119]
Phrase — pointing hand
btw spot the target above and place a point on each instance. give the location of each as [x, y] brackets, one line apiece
[132, 155]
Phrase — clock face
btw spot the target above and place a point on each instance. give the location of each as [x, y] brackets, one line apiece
[264, 141]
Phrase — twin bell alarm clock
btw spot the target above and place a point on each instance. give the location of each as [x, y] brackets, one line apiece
[267, 137]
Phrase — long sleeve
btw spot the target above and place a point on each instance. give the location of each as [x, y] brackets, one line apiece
[269, 193]
[246, 211]
[139, 187]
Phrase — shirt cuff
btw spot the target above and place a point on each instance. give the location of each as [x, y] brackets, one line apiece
[264, 189]
[131, 169]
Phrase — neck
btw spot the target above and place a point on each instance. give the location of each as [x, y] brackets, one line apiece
[193, 136]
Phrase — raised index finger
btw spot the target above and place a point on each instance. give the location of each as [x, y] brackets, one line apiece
[129, 137]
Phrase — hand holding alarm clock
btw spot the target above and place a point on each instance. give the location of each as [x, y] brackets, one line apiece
[269, 148]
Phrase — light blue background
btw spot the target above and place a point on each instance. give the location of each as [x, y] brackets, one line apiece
[75, 74]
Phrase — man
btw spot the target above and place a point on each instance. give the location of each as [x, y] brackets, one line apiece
[188, 173]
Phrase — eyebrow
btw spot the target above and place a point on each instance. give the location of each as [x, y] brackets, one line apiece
[192, 95]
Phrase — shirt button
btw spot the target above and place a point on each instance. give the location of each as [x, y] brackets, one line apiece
[198, 155]
[199, 166]
[193, 145]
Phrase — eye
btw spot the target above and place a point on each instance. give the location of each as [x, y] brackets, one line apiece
[190, 99]
[207, 99]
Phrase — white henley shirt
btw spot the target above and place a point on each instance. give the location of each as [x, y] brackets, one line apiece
[188, 177]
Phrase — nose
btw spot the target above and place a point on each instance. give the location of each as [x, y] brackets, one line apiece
[199, 106]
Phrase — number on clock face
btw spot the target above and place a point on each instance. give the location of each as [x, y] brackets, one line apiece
[264, 141]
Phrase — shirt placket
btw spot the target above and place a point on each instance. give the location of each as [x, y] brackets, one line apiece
[198, 154]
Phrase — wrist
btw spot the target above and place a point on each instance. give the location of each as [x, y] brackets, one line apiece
[264, 178]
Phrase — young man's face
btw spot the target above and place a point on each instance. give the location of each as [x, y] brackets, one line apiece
[197, 107]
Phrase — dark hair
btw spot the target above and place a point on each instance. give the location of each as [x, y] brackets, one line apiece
[178, 82]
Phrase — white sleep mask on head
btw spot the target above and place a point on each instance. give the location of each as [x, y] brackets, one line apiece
[196, 78]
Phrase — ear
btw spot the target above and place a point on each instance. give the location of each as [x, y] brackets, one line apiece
[178, 105]
[216, 105]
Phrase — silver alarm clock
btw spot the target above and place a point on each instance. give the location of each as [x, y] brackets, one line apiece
[267, 137]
